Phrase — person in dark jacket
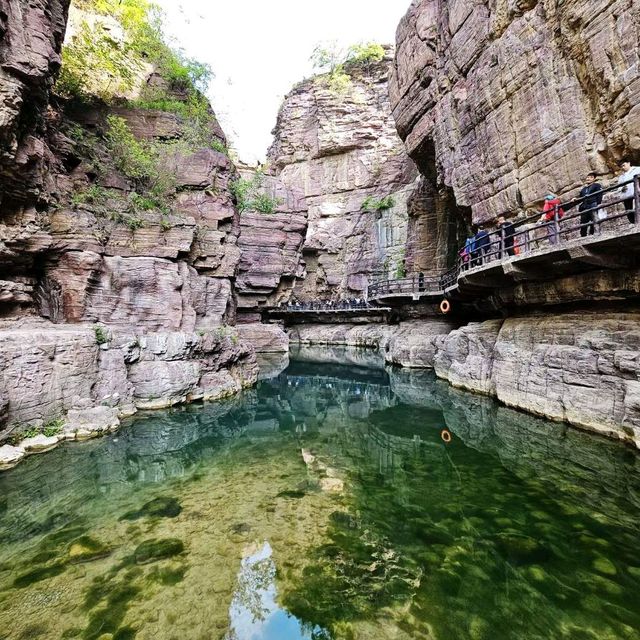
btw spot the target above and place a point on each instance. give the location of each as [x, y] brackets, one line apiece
[507, 231]
[482, 244]
[592, 199]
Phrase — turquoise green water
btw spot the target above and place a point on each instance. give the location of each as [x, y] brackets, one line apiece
[326, 504]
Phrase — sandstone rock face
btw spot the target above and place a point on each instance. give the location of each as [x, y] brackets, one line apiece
[415, 343]
[465, 356]
[78, 245]
[265, 338]
[581, 368]
[31, 35]
[270, 246]
[508, 100]
[338, 149]
[62, 371]
[410, 344]
[372, 336]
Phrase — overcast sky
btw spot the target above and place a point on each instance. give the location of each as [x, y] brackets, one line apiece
[259, 49]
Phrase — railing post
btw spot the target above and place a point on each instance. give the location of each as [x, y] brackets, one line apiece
[556, 224]
[636, 197]
[501, 243]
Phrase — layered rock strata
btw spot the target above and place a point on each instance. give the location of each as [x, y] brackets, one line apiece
[88, 381]
[30, 38]
[339, 148]
[270, 246]
[576, 367]
[506, 101]
[82, 245]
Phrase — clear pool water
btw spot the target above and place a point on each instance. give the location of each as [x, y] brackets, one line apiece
[326, 503]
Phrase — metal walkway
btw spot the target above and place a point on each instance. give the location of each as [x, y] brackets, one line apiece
[606, 235]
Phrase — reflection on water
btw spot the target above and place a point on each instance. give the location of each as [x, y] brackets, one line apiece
[254, 613]
[208, 522]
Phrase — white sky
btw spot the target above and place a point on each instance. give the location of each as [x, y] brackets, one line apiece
[258, 49]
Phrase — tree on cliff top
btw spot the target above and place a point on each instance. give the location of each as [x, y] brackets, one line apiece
[114, 41]
[330, 59]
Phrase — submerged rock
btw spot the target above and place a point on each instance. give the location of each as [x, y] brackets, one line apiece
[162, 507]
[86, 548]
[154, 550]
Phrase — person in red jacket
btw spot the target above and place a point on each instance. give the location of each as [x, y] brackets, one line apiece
[551, 201]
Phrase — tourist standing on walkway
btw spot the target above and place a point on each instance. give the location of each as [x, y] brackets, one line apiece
[482, 244]
[628, 190]
[551, 201]
[466, 252]
[507, 230]
[591, 195]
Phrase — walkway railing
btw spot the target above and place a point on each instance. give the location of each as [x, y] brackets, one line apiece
[326, 306]
[583, 217]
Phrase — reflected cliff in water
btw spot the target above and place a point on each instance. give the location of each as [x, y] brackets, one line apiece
[332, 501]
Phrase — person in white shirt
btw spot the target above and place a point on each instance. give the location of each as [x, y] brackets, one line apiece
[628, 190]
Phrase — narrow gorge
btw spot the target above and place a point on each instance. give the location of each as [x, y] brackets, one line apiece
[284, 359]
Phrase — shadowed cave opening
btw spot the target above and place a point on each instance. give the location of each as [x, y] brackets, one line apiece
[438, 225]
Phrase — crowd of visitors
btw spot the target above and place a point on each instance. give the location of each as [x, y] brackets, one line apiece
[481, 245]
[326, 305]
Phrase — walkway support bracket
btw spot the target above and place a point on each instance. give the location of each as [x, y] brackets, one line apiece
[588, 256]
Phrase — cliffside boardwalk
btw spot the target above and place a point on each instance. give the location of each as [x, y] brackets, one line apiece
[565, 242]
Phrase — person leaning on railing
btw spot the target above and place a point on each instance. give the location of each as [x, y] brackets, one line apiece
[628, 190]
[551, 203]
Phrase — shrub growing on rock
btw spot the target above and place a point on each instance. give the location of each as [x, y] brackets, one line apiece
[372, 204]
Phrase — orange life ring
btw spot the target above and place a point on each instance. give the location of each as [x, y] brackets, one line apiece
[445, 434]
[445, 306]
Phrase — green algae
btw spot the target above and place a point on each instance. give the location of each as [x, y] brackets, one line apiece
[168, 576]
[162, 507]
[38, 574]
[114, 600]
[291, 493]
[604, 565]
[154, 550]
[34, 631]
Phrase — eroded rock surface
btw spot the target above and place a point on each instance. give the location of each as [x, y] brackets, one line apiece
[507, 100]
[270, 246]
[338, 148]
[30, 38]
[581, 368]
[67, 372]
[265, 338]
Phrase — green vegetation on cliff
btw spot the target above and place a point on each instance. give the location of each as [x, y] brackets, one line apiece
[116, 50]
[332, 62]
[107, 52]
[373, 204]
[250, 195]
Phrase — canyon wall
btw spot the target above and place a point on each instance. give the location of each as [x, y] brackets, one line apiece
[339, 147]
[112, 296]
[270, 246]
[508, 100]
[498, 103]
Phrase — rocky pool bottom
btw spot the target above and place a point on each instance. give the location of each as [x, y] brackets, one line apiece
[328, 502]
